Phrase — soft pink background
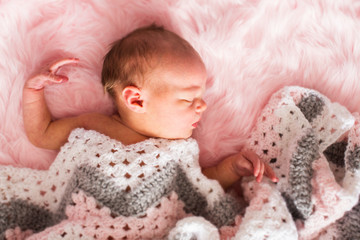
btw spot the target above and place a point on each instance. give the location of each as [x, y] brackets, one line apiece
[251, 49]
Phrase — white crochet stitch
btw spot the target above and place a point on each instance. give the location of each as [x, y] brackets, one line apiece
[267, 216]
[192, 228]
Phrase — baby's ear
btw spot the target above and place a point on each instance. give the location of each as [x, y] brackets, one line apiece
[133, 99]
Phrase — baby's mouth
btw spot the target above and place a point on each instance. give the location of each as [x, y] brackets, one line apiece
[196, 124]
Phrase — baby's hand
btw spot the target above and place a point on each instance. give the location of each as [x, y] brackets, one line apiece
[247, 163]
[50, 76]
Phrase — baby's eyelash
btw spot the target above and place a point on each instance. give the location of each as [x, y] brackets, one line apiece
[187, 100]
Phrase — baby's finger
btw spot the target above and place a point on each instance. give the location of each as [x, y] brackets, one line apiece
[261, 172]
[269, 172]
[55, 67]
[58, 79]
[242, 166]
[255, 160]
[53, 79]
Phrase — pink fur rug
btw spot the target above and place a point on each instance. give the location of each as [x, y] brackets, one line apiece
[251, 49]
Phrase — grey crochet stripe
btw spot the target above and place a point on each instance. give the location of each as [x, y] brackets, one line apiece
[335, 153]
[295, 213]
[353, 159]
[194, 201]
[223, 212]
[298, 197]
[136, 201]
[19, 213]
[92, 182]
[311, 106]
[149, 193]
[349, 225]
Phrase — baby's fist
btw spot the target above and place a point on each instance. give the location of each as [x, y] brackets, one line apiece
[50, 76]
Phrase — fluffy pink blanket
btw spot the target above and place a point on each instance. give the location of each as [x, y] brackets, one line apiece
[251, 49]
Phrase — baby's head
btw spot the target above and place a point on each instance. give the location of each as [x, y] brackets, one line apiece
[157, 80]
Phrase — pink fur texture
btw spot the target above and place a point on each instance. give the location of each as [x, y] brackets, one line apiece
[251, 48]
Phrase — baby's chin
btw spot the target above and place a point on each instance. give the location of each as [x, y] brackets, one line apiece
[187, 134]
[179, 136]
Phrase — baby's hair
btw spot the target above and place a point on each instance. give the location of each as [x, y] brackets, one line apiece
[132, 57]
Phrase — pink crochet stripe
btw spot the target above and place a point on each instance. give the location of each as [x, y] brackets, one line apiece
[98, 222]
[17, 234]
[228, 232]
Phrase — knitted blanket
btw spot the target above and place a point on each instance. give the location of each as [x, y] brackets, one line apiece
[97, 188]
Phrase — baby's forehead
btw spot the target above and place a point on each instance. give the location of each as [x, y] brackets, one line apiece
[180, 73]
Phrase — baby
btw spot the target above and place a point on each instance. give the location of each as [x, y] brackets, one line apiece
[131, 175]
[157, 81]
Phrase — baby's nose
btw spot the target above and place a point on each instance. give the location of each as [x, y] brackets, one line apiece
[201, 106]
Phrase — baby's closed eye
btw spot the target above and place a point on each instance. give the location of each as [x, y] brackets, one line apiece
[187, 100]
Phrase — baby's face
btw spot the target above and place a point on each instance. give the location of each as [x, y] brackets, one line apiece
[175, 101]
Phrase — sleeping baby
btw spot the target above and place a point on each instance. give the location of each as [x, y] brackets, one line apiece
[132, 174]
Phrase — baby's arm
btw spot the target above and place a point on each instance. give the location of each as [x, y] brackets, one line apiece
[39, 127]
[43, 132]
[232, 168]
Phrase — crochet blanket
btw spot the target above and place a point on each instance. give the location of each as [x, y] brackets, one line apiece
[98, 188]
